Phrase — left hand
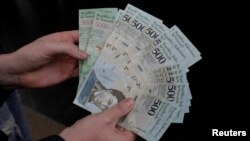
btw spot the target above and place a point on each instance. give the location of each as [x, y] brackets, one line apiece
[47, 61]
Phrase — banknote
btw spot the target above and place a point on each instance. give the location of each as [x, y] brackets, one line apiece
[99, 92]
[94, 36]
[183, 43]
[133, 54]
[151, 110]
[86, 17]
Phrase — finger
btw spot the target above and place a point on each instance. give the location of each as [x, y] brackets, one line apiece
[64, 36]
[71, 36]
[120, 110]
[129, 135]
[67, 49]
[75, 72]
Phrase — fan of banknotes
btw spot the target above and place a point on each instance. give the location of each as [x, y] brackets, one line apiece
[132, 54]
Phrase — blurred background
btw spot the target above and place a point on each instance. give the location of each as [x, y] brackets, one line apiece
[218, 29]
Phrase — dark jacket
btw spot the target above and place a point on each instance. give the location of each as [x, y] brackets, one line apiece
[3, 137]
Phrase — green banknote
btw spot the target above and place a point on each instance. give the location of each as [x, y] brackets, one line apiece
[86, 20]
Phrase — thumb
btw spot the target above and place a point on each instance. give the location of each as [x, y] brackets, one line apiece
[121, 109]
[69, 49]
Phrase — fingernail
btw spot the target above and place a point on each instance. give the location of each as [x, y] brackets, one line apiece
[129, 102]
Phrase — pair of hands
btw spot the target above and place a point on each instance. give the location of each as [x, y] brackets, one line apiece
[50, 60]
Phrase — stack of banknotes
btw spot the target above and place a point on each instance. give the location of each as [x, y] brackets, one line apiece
[132, 54]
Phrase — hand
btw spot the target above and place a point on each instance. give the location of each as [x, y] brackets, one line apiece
[101, 126]
[46, 61]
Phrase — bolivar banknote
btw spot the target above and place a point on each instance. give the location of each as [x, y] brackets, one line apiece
[94, 27]
[132, 54]
[86, 17]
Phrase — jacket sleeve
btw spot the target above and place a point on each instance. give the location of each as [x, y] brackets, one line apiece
[52, 138]
[4, 94]
[3, 136]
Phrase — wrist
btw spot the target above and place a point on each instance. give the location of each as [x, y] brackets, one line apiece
[8, 75]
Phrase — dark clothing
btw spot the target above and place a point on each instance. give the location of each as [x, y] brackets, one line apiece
[52, 138]
[4, 94]
[3, 137]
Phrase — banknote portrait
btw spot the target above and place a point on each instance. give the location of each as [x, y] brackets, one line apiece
[104, 98]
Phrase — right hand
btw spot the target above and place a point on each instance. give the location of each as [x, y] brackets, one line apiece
[101, 126]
